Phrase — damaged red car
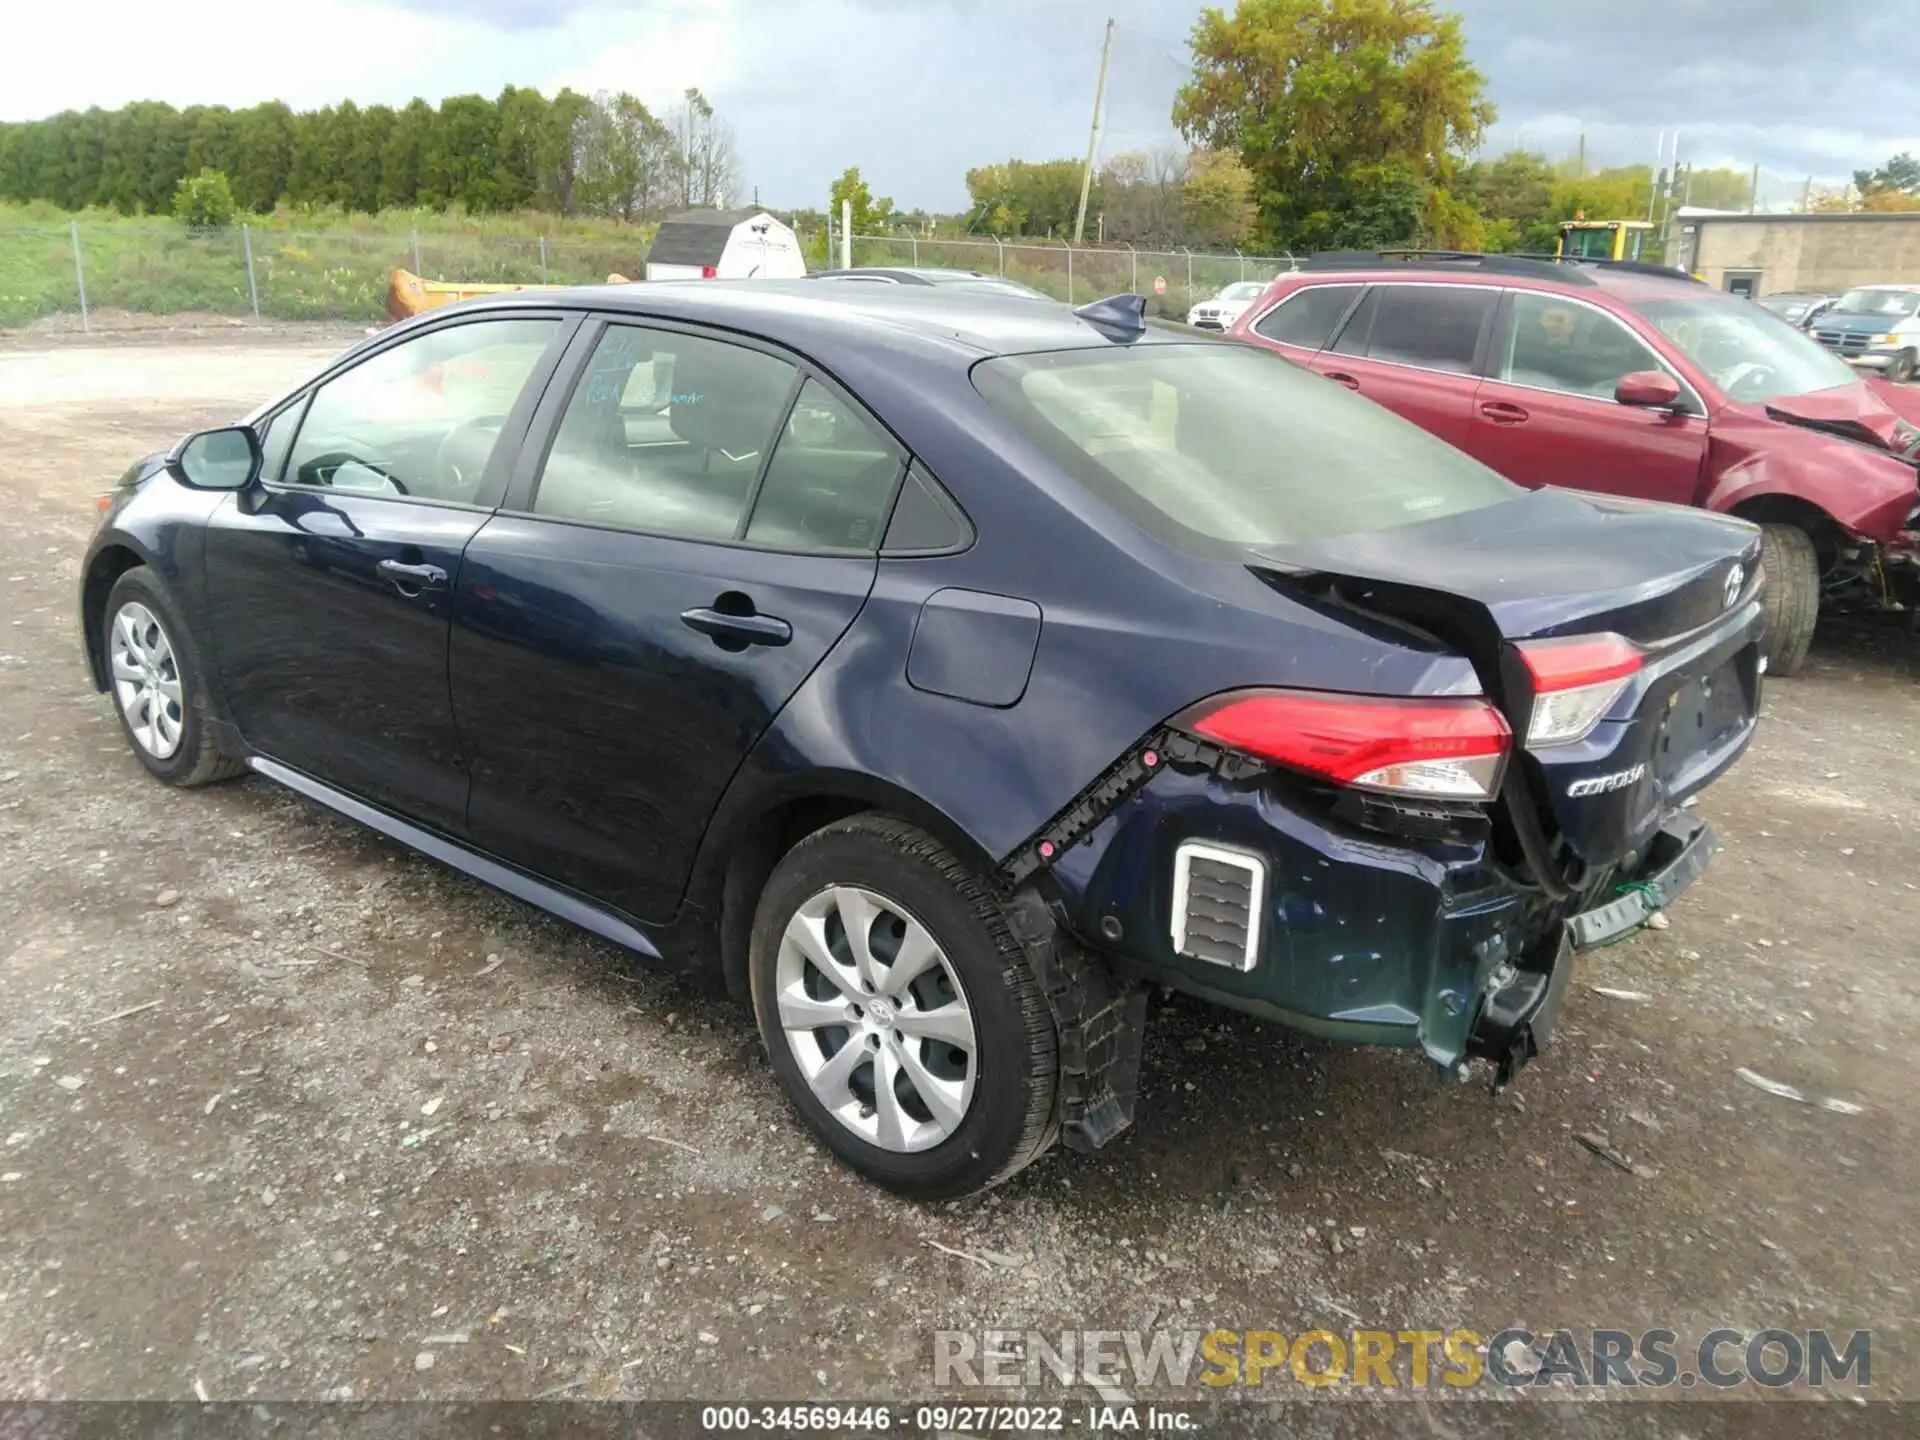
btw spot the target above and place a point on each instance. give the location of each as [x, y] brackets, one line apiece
[1636, 381]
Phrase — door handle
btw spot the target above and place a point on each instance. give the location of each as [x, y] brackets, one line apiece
[1341, 377]
[736, 632]
[1501, 413]
[411, 579]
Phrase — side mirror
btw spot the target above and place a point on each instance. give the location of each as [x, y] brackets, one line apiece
[1651, 389]
[225, 459]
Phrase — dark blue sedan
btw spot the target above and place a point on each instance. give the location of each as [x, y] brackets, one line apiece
[937, 670]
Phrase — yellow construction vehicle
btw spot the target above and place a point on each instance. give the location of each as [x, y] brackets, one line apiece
[1584, 239]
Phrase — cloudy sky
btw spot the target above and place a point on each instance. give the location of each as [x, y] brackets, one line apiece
[916, 91]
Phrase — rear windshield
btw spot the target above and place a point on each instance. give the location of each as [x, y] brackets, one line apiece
[1225, 444]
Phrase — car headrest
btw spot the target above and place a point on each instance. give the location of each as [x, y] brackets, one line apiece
[727, 399]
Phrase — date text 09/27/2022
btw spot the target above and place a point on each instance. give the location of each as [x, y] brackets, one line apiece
[943, 1419]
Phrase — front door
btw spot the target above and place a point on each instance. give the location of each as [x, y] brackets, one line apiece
[1546, 413]
[330, 583]
[1413, 348]
[700, 533]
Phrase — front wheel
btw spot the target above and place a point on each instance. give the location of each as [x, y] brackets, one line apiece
[158, 685]
[1792, 598]
[1900, 368]
[900, 1015]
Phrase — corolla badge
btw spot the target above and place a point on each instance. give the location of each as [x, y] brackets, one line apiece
[1605, 784]
[1736, 577]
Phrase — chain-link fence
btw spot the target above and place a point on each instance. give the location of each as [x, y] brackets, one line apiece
[256, 273]
[249, 272]
[1172, 280]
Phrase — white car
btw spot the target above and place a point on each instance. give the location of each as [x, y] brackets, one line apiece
[1222, 310]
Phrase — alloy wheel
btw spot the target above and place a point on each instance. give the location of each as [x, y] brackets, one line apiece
[876, 1018]
[146, 680]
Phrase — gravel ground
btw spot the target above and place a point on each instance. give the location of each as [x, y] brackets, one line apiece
[289, 1112]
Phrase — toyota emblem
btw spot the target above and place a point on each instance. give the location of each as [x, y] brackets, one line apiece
[1736, 577]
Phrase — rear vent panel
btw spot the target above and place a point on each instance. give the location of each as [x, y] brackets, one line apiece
[1218, 896]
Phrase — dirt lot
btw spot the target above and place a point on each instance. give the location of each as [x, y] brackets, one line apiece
[383, 1133]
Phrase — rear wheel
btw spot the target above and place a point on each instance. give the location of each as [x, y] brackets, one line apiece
[1792, 596]
[159, 688]
[900, 1015]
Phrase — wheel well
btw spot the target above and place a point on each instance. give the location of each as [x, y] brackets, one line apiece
[771, 836]
[1827, 534]
[108, 566]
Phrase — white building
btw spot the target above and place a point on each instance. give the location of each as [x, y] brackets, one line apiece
[725, 245]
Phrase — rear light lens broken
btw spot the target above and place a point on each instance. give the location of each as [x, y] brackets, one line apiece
[1575, 682]
[1438, 749]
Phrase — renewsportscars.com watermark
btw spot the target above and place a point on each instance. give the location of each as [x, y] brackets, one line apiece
[1218, 1360]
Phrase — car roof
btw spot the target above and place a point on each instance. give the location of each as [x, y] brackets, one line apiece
[1885, 285]
[927, 274]
[1571, 278]
[965, 322]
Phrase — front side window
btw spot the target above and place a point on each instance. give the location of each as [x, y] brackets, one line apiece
[830, 481]
[1554, 344]
[1217, 446]
[420, 419]
[1750, 353]
[1307, 317]
[665, 433]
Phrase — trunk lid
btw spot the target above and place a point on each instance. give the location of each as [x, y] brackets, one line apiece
[1679, 583]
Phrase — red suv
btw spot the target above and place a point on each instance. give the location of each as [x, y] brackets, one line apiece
[1631, 381]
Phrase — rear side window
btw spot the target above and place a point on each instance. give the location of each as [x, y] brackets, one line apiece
[1436, 327]
[1219, 447]
[1307, 317]
[665, 433]
[830, 481]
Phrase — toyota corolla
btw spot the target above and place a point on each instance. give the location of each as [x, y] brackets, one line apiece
[936, 671]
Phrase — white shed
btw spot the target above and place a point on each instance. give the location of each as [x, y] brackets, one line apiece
[725, 245]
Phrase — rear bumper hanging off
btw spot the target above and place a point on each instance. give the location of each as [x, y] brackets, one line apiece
[1517, 1017]
[1679, 853]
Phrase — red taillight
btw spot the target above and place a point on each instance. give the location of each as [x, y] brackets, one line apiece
[709, 272]
[1445, 748]
[1575, 682]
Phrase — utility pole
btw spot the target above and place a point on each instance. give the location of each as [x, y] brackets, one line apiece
[1806, 196]
[1580, 162]
[1753, 191]
[1093, 140]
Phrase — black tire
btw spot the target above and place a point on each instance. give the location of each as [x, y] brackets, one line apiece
[1900, 368]
[196, 759]
[1010, 1120]
[1792, 596]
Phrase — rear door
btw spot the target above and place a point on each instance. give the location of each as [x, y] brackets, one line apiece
[1415, 348]
[700, 531]
[1546, 413]
[331, 581]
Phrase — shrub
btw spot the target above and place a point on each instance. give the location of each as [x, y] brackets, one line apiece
[204, 200]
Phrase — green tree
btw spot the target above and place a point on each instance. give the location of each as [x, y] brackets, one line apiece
[401, 158]
[1901, 173]
[359, 188]
[1023, 197]
[870, 216]
[1219, 193]
[264, 155]
[204, 200]
[1351, 114]
[458, 162]
[517, 149]
[626, 166]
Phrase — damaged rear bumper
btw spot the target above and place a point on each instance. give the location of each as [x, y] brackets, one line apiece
[1419, 938]
[1517, 1016]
